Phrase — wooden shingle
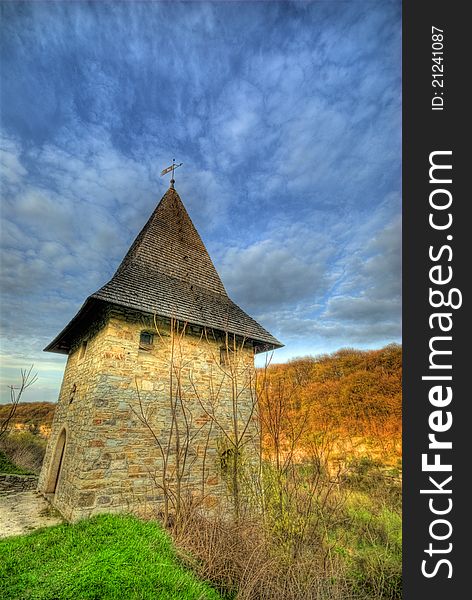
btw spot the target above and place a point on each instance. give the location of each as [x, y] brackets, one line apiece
[168, 272]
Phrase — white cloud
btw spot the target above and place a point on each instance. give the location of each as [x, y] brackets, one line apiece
[286, 117]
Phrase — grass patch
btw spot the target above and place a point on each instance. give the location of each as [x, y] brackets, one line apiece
[107, 557]
[370, 541]
[24, 449]
[7, 466]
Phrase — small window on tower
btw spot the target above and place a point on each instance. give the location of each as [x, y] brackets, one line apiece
[83, 349]
[146, 340]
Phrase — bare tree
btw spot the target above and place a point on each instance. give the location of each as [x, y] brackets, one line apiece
[28, 378]
[230, 373]
[281, 425]
[175, 442]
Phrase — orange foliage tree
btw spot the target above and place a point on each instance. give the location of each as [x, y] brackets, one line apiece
[347, 401]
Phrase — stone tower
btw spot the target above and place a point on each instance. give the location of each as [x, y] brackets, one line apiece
[158, 386]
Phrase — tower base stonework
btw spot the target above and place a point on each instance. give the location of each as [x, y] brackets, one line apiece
[134, 423]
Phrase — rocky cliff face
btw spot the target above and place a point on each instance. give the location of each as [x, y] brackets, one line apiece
[43, 429]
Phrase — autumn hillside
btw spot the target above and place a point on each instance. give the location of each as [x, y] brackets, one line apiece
[347, 403]
[35, 417]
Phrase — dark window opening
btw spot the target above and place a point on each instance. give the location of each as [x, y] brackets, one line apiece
[72, 393]
[146, 340]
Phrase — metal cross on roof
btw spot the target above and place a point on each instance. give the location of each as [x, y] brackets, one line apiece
[172, 168]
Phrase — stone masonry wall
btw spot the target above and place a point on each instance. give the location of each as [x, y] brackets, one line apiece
[116, 404]
[73, 414]
[11, 483]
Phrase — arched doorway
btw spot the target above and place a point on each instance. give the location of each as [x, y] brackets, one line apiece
[56, 463]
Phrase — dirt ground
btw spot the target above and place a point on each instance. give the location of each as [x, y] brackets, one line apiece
[24, 512]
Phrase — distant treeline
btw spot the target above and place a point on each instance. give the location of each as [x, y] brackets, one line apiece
[30, 413]
[352, 395]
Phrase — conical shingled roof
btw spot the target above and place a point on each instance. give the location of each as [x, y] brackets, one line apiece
[170, 245]
[168, 272]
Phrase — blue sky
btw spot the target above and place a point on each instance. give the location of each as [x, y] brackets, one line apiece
[287, 117]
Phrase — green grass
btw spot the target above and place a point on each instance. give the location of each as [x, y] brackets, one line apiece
[106, 557]
[370, 542]
[6, 466]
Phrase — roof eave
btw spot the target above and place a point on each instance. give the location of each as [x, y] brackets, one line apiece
[59, 344]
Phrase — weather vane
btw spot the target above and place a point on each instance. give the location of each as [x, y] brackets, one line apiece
[172, 168]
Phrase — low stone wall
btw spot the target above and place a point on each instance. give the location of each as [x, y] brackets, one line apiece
[11, 484]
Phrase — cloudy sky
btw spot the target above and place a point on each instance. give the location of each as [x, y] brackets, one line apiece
[287, 117]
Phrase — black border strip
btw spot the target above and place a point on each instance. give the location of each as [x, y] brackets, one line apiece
[425, 131]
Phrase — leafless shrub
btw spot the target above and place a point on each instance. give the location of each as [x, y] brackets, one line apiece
[28, 378]
[239, 558]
